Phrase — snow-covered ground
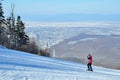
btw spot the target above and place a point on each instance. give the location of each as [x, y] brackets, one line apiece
[15, 65]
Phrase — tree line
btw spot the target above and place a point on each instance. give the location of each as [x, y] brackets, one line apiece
[13, 35]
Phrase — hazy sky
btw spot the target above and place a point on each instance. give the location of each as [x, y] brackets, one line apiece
[65, 10]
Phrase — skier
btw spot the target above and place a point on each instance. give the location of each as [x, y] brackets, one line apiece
[89, 57]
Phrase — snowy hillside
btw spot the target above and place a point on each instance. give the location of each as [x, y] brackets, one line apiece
[15, 65]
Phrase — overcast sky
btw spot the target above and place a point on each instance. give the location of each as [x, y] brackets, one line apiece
[65, 10]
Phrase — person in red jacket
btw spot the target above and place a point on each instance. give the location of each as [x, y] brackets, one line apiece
[89, 57]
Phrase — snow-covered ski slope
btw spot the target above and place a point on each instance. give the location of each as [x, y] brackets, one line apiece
[15, 65]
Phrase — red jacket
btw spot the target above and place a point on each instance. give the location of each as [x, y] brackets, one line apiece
[89, 58]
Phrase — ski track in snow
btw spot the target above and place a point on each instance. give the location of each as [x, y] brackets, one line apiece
[15, 65]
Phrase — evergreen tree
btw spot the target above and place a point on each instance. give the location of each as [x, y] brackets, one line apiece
[1, 15]
[22, 37]
[19, 25]
[1, 24]
[1, 12]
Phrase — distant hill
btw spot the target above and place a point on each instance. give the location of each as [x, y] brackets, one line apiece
[74, 43]
[105, 49]
[53, 34]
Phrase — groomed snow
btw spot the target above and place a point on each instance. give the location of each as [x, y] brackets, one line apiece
[15, 65]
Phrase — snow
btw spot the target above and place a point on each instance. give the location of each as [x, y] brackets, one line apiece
[2, 47]
[16, 65]
[86, 39]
